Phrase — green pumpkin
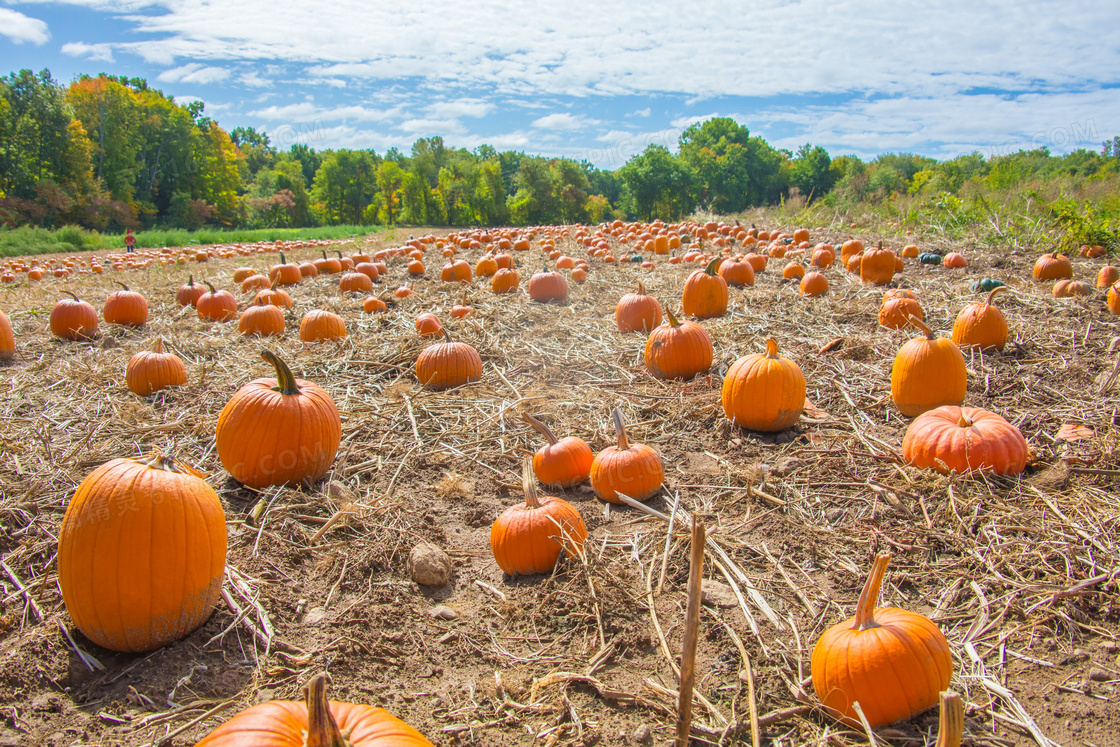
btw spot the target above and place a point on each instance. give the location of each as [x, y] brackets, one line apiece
[986, 285]
[636, 258]
[929, 258]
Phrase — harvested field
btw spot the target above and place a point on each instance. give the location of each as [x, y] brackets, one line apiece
[1021, 574]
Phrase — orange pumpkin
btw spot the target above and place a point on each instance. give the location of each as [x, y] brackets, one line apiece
[355, 282]
[285, 273]
[928, 372]
[1108, 276]
[895, 312]
[457, 271]
[505, 280]
[954, 260]
[981, 325]
[1071, 288]
[216, 305]
[813, 284]
[546, 286]
[877, 265]
[893, 662]
[314, 723]
[793, 271]
[318, 325]
[677, 350]
[273, 296]
[448, 364]
[141, 553]
[73, 319]
[635, 470]
[278, 431]
[149, 371]
[563, 462]
[373, 305]
[7, 338]
[428, 324]
[637, 312]
[1053, 266]
[528, 538]
[261, 319]
[763, 391]
[705, 293]
[189, 293]
[1113, 298]
[125, 307]
[736, 273]
[964, 439]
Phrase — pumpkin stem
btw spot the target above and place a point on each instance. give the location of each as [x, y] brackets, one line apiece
[121, 284]
[529, 484]
[157, 346]
[771, 348]
[950, 727]
[865, 608]
[997, 289]
[964, 421]
[672, 319]
[641, 288]
[339, 255]
[210, 286]
[620, 430]
[922, 326]
[711, 268]
[190, 281]
[282, 260]
[323, 252]
[72, 295]
[168, 463]
[272, 285]
[285, 381]
[322, 729]
[446, 336]
[543, 429]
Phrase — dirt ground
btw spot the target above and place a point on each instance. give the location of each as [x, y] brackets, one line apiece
[1021, 574]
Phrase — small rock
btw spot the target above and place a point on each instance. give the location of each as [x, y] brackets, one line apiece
[108, 343]
[443, 612]
[340, 494]
[717, 594]
[1099, 675]
[787, 465]
[429, 565]
[1110, 647]
[834, 515]
[315, 615]
[642, 734]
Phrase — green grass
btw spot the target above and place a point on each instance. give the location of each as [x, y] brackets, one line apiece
[68, 239]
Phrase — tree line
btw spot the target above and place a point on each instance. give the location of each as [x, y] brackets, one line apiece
[109, 153]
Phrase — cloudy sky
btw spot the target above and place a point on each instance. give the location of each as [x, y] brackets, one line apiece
[601, 80]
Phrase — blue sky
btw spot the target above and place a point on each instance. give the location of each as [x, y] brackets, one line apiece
[601, 80]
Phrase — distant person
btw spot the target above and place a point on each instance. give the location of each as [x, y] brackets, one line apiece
[129, 241]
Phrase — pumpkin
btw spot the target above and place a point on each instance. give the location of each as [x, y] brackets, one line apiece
[308, 270]
[813, 284]
[895, 312]
[149, 371]
[285, 273]
[763, 391]
[255, 283]
[243, 272]
[546, 285]
[793, 271]
[736, 273]
[273, 296]
[457, 271]
[635, 470]
[964, 439]
[910, 251]
[368, 269]
[985, 284]
[403, 292]
[637, 312]
[1107, 276]
[505, 280]
[579, 274]
[486, 266]
[278, 431]
[216, 305]
[7, 339]
[1071, 288]
[448, 364]
[928, 372]
[893, 662]
[125, 307]
[560, 463]
[314, 723]
[318, 325]
[527, 538]
[1112, 299]
[677, 350]
[373, 305]
[849, 249]
[141, 553]
[954, 260]
[705, 293]
[327, 265]
[189, 293]
[415, 267]
[345, 263]
[877, 265]
[930, 258]
[823, 256]
[981, 325]
[899, 293]
[261, 319]
[355, 282]
[73, 319]
[461, 310]
[428, 324]
[1053, 266]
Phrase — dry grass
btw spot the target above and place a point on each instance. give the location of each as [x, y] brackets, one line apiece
[1021, 574]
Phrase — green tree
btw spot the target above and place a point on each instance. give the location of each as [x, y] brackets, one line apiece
[811, 171]
[345, 185]
[657, 182]
[390, 178]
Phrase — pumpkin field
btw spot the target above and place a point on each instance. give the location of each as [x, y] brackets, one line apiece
[460, 474]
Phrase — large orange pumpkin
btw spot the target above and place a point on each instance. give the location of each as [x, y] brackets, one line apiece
[563, 462]
[637, 312]
[150, 371]
[448, 364]
[189, 292]
[546, 286]
[893, 662]
[964, 439]
[316, 722]
[278, 431]
[877, 265]
[928, 372]
[73, 318]
[285, 273]
[125, 307]
[261, 320]
[216, 305]
[763, 391]
[7, 338]
[635, 470]
[319, 325]
[527, 538]
[813, 284]
[896, 311]
[141, 553]
[981, 325]
[678, 350]
[705, 293]
[1053, 266]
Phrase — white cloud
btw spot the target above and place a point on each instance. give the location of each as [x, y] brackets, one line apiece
[640, 113]
[461, 108]
[103, 52]
[194, 73]
[683, 122]
[429, 127]
[307, 110]
[563, 121]
[20, 28]
[254, 80]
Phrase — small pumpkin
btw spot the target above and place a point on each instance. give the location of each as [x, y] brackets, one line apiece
[1071, 288]
[877, 265]
[314, 723]
[928, 372]
[141, 553]
[189, 293]
[456, 271]
[285, 273]
[505, 280]
[448, 364]
[261, 319]
[428, 324]
[895, 312]
[255, 283]
[1108, 276]
[486, 266]
[981, 325]
[278, 431]
[964, 439]
[328, 265]
[849, 249]
[635, 470]
[1052, 266]
[637, 312]
[560, 463]
[528, 538]
[985, 284]
[369, 269]
[355, 282]
[273, 296]
[216, 305]
[126, 307]
[73, 319]
[548, 285]
[893, 662]
[373, 305]
[910, 251]
[813, 284]
[763, 391]
[318, 325]
[793, 271]
[954, 261]
[930, 258]
[149, 371]
[678, 350]
[705, 293]
[7, 338]
[308, 270]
